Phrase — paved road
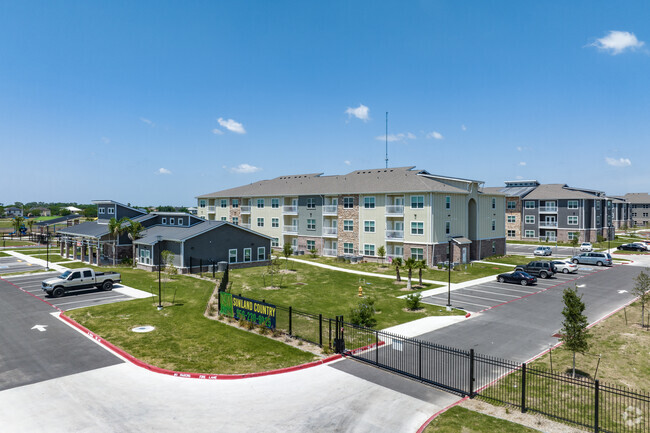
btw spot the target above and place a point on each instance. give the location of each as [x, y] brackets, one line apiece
[521, 249]
[9, 265]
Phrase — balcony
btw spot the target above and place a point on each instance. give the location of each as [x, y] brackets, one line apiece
[331, 252]
[211, 209]
[330, 231]
[548, 209]
[395, 235]
[395, 210]
[330, 209]
[245, 225]
[290, 230]
[290, 210]
[245, 209]
[547, 224]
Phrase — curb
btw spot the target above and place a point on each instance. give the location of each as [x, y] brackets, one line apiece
[132, 359]
[441, 411]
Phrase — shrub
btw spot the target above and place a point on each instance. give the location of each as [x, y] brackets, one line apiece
[127, 261]
[413, 301]
[313, 252]
[363, 313]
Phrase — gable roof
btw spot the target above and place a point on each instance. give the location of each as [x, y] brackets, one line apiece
[98, 202]
[181, 234]
[89, 229]
[553, 191]
[638, 197]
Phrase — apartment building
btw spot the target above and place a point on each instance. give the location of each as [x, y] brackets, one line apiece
[412, 213]
[639, 208]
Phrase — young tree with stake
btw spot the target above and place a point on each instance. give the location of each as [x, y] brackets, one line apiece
[574, 327]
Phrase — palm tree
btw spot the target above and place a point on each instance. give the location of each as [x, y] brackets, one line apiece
[115, 229]
[397, 262]
[409, 264]
[420, 266]
[17, 222]
[30, 224]
[134, 230]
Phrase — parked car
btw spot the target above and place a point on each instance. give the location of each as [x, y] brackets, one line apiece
[543, 251]
[565, 267]
[631, 247]
[540, 268]
[517, 277]
[641, 244]
[587, 247]
[598, 259]
[78, 279]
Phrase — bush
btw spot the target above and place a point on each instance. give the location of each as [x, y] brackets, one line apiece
[313, 252]
[127, 261]
[363, 313]
[413, 301]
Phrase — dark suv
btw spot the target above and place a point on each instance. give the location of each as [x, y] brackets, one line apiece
[542, 269]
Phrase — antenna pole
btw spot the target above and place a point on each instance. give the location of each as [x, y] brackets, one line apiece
[387, 139]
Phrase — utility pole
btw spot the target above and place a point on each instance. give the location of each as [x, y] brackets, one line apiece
[386, 139]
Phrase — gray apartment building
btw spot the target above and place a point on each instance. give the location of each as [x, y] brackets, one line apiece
[411, 213]
[640, 208]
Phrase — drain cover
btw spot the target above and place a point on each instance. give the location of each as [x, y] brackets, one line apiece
[143, 329]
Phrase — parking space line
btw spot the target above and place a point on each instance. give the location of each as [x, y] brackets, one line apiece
[516, 290]
[478, 297]
[493, 293]
[444, 301]
[91, 300]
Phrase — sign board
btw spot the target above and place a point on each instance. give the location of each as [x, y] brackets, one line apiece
[250, 310]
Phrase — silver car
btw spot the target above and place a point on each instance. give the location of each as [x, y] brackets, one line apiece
[598, 259]
[543, 251]
[566, 267]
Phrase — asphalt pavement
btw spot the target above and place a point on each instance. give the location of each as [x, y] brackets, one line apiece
[10, 265]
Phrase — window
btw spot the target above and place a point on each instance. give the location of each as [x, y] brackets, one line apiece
[235, 202]
[311, 245]
[494, 225]
[224, 218]
[180, 221]
[247, 254]
[171, 221]
[348, 225]
[529, 204]
[447, 227]
[447, 202]
[572, 204]
[311, 224]
[102, 210]
[530, 219]
[261, 253]
[232, 256]
[368, 250]
[75, 275]
[369, 202]
[88, 274]
[512, 218]
[572, 220]
[260, 203]
[111, 211]
[164, 220]
[417, 253]
[224, 202]
[235, 220]
[275, 203]
[311, 203]
[348, 248]
[417, 202]
[275, 242]
[529, 233]
[348, 202]
[572, 235]
[494, 247]
[369, 226]
[511, 233]
[512, 205]
[260, 222]
[201, 203]
[145, 257]
[417, 228]
[494, 203]
[275, 222]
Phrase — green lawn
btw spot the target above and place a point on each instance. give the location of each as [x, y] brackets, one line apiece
[510, 260]
[18, 243]
[3, 254]
[184, 339]
[461, 420]
[47, 218]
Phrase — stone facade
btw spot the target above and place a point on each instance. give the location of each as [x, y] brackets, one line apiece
[487, 247]
[235, 211]
[348, 214]
[302, 244]
[516, 212]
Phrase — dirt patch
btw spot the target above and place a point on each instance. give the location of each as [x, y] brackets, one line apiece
[300, 284]
[270, 288]
[286, 271]
[419, 310]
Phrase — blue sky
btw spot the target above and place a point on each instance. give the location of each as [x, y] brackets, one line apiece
[154, 102]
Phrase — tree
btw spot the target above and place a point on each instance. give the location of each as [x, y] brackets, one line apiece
[575, 241]
[17, 223]
[381, 252]
[287, 250]
[421, 266]
[30, 223]
[397, 262]
[574, 327]
[409, 264]
[90, 212]
[115, 229]
[167, 258]
[640, 289]
[64, 212]
[134, 230]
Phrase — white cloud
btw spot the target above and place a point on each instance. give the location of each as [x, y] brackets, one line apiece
[231, 125]
[361, 112]
[147, 121]
[244, 168]
[616, 42]
[519, 177]
[435, 134]
[216, 131]
[621, 162]
[163, 171]
[396, 137]
[522, 163]
[410, 136]
[463, 127]
[519, 148]
[106, 140]
[346, 162]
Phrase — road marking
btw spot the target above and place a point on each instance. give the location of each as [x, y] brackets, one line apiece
[493, 293]
[40, 327]
[457, 303]
[92, 300]
[622, 291]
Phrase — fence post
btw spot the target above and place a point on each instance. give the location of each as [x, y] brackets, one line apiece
[420, 359]
[289, 320]
[190, 265]
[596, 403]
[330, 333]
[320, 330]
[376, 347]
[201, 267]
[471, 373]
[212, 268]
[523, 388]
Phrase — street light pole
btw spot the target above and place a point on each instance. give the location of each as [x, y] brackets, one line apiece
[160, 307]
[47, 248]
[449, 255]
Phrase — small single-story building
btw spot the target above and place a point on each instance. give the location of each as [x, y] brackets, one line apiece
[13, 211]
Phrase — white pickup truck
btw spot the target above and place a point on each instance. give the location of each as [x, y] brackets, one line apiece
[79, 279]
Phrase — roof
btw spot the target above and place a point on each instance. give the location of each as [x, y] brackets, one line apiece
[58, 220]
[89, 229]
[554, 191]
[72, 209]
[638, 197]
[380, 180]
[118, 203]
[180, 234]
[509, 191]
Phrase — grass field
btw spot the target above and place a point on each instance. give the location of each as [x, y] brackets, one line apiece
[17, 243]
[461, 420]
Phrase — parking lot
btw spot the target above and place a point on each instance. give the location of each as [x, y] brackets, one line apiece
[10, 265]
[488, 295]
[71, 300]
[528, 250]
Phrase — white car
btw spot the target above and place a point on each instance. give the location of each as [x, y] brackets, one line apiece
[565, 267]
[587, 247]
[543, 251]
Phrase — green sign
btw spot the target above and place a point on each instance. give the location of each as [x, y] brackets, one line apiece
[250, 310]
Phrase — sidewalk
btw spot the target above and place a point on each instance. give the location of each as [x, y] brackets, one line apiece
[37, 261]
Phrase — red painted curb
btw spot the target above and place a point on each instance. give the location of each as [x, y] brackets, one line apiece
[427, 422]
[209, 376]
[467, 315]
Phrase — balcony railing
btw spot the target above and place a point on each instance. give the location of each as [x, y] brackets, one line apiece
[245, 209]
[329, 209]
[552, 209]
[395, 210]
[290, 229]
[290, 209]
[246, 225]
[543, 224]
[211, 209]
[330, 231]
[329, 252]
[394, 234]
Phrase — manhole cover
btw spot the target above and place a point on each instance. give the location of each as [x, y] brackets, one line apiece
[143, 329]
